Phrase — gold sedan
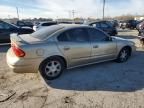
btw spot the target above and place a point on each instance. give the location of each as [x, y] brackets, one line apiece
[52, 49]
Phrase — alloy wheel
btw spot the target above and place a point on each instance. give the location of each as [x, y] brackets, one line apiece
[124, 55]
[53, 68]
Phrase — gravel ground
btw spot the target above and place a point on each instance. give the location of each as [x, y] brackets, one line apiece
[104, 85]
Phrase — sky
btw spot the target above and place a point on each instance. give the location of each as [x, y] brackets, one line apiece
[63, 8]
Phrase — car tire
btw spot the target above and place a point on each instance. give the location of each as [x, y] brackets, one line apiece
[52, 68]
[123, 55]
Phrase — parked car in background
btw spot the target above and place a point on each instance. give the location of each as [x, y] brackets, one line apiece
[44, 24]
[6, 29]
[55, 48]
[24, 24]
[114, 23]
[122, 24]
[105, 26]
[140, 28]
[131, 24]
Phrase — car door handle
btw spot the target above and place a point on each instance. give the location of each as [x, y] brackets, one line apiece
[66, 48]
[95, 46]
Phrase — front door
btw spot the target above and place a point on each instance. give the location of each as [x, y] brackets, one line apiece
[102, 48]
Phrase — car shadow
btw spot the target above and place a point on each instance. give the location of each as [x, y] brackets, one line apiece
[108, 76]
[4, 48]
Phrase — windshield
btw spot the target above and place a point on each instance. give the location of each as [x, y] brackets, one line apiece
[43, 33]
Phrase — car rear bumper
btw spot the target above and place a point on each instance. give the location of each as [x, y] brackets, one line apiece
[23, 69]
[22, 65]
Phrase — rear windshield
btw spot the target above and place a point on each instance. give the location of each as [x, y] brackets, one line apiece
[43, 33]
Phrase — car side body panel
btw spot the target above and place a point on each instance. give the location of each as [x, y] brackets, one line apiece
[75, 54]
[104, 50]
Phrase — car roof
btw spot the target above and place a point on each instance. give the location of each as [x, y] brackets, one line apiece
[67, 26]
[99, 21]
[47, 22]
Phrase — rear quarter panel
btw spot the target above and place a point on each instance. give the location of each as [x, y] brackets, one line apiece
[41, 50]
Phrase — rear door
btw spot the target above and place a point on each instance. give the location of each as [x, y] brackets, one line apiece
[102, 47]
[75, 46]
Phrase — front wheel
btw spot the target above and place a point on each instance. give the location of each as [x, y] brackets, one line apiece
[52, 68]
[123, 55]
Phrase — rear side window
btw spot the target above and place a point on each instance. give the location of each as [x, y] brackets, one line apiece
[104, 25]
[48, 24]
[95, 25]
[75, 35]
[63, 37]
[96, 35]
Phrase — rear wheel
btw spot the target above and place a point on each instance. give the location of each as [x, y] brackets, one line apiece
[123, 55]
[52, 68]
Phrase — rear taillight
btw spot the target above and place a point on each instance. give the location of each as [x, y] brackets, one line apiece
[18, 52]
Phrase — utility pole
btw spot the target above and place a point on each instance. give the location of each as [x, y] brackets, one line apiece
[17, 13]
[73, 13]
[103, 9]
[8, 16]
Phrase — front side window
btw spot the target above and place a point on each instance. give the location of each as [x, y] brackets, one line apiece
[75, 35]
[21, 23]
[96, 35]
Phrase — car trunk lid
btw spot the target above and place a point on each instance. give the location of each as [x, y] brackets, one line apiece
[23, 39]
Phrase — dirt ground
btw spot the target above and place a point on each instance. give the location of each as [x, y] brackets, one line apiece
[104, 85]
